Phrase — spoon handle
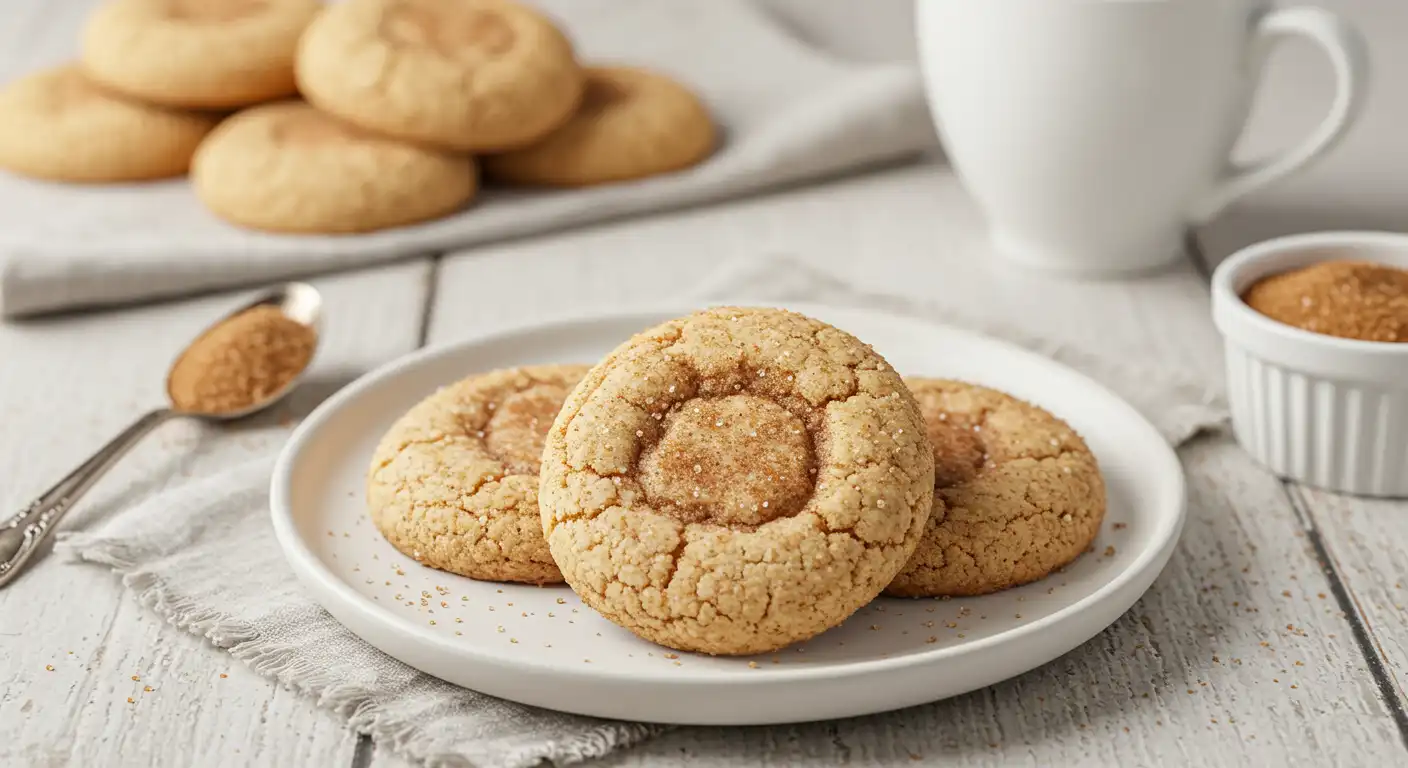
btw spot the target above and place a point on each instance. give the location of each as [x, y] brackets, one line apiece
[22, 535]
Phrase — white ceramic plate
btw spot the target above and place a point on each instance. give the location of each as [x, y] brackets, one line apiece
[541, 646]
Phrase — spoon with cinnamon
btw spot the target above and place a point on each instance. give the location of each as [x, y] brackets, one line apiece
[239, 366]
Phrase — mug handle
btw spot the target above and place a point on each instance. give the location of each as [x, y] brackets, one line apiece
[1349, 57]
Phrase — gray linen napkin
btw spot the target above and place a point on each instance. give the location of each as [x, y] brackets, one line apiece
[203, 556]
[790, 112]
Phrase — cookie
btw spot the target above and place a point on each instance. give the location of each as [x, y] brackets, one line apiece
[206, 54]
[286, 167]
[468, 75]
[454, 483]
[1017, 493]
[735, 481]
[56, 124]
[632, 124]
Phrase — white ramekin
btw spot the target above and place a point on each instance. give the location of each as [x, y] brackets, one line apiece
[1325, 411]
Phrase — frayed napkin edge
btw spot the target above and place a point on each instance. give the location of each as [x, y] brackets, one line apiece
[275, 662]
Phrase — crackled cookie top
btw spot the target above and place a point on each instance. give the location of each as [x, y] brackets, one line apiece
[468, 75]
[1017, 493]
[735, 481]
[454, 483]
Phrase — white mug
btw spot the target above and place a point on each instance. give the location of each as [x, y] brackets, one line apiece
[1092, 133]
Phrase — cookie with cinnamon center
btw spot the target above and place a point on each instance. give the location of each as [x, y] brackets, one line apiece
[454, 483]
[1017, 494]
[735, 481]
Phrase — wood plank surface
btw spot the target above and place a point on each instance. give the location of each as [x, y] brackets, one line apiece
[1368, 542]
[79, 652]
[67, 385]
[1359, 186]
[1214, 666]
[911, 229]
[1242, 652]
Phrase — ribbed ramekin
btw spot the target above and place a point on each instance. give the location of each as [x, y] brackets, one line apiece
[1325, 411]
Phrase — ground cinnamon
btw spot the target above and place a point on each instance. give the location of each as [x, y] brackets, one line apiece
[1350, 299]
[241, 362]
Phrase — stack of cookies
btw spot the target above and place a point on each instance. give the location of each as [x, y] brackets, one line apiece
[735, 481]
[401, 102]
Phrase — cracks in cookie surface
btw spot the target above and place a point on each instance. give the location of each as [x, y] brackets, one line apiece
[1032, 505]
[690, 386]
[518, 425]
[736, 586]
[439, 493]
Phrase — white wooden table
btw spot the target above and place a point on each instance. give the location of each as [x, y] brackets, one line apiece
[1278, 634]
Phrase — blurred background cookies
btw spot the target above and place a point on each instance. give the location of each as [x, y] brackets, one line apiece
[58, 125]
[470, 75]
[401, 101]
[210, 54]
[287, 167]
[632, 124]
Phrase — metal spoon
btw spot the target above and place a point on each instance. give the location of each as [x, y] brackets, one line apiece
[22, 535]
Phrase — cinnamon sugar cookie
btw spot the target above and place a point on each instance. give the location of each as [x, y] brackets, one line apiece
[208, 54]
[58, 125]
[735, 480]
[1017, 493]
[454, 483]
[632, 123]
[468, 75]
[287, 167]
